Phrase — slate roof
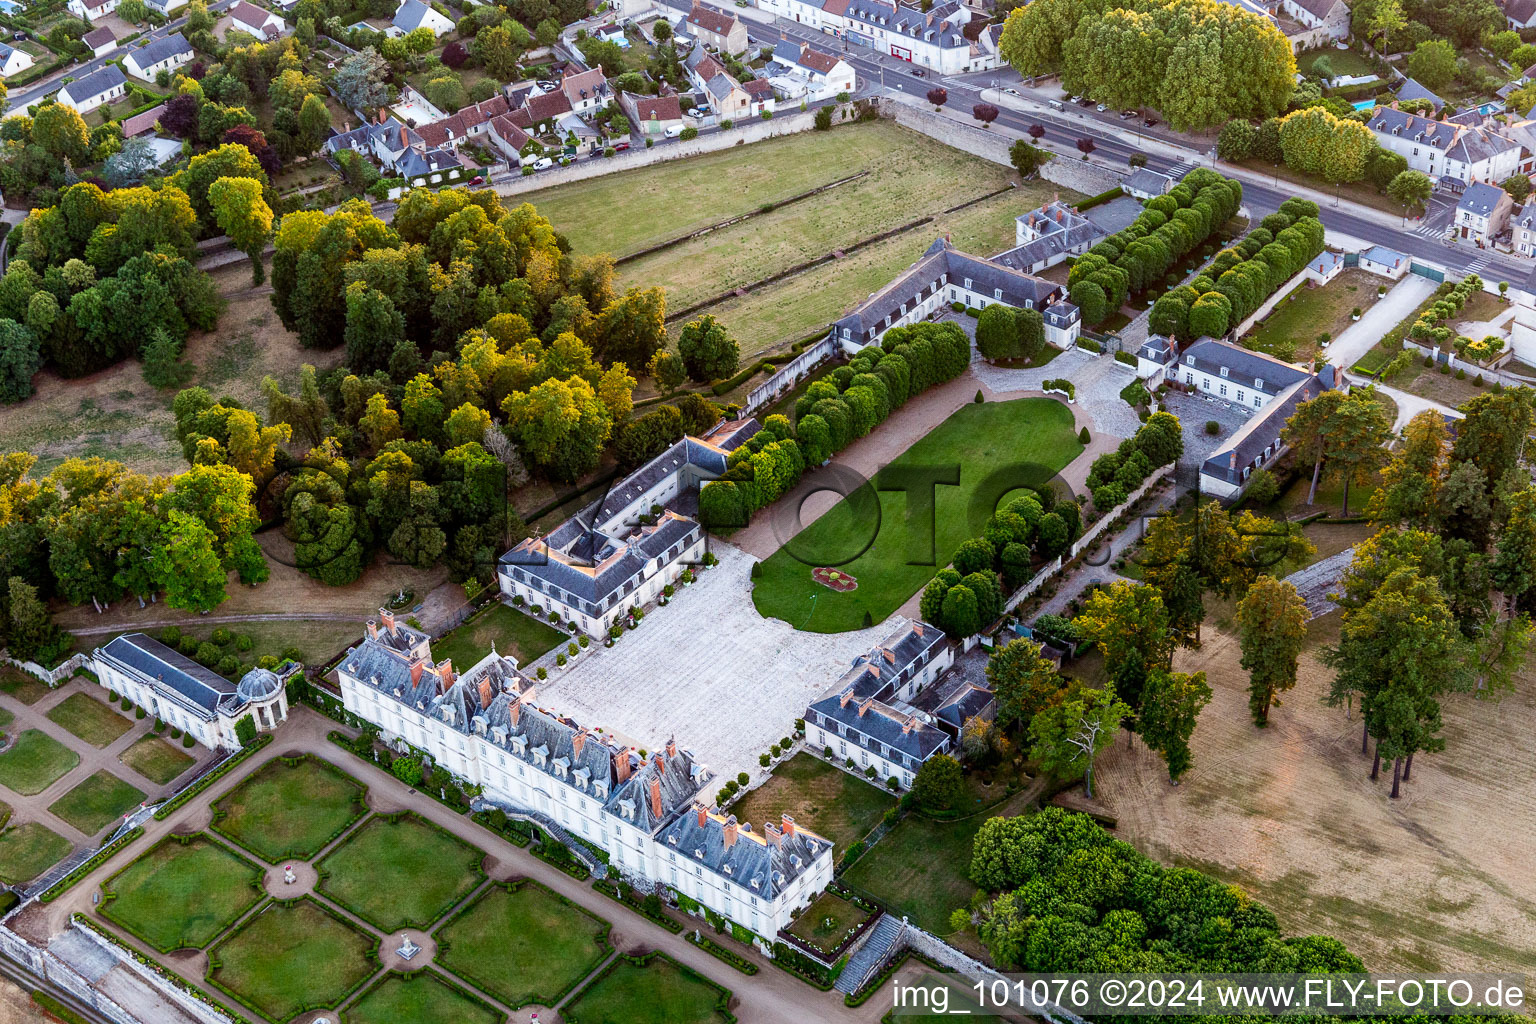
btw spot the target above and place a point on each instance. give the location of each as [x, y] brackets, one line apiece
[1243, 366]
[95, 84]
[170, 46]
[907, 21]
[858, 701]
[764, 863]
[202, 690]
[1481, 199]
[1416, 127]
[1158, 348]
[1317, 8]
[410, 15]
[964, 704]
[1058, 228]
[1062, 314]
[1143, 179]
[1324, 262]
[98, 37]
[1263, 429]
[413, 162]
[1381, 254]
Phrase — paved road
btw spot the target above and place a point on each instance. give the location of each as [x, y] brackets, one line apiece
[20, 100]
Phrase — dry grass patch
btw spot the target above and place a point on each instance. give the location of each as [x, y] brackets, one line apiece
[1438, 880]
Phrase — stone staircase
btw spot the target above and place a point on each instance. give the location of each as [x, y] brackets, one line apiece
[880, 942]
[551, 827]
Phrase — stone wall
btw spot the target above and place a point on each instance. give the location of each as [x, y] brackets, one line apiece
[1080, 175]
[789, 375]
[52, 676]
[941, 952]
[1270, 303]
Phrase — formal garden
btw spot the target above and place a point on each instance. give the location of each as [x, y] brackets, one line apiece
[155, 759]
[514, 634]
[291, 808]
[182, 892]
[291, 957]
[652, 989]
[424, 997]
[35, 762]
[90, 719]
[986, 451]
[398, 871]
[26, 851]
[101, 800]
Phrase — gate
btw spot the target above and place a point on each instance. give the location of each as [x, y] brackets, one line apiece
[1437, 276]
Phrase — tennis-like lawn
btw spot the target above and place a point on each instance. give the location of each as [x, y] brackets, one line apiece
[97, 802]
[400, 872]
[287, 959]
[90, 719]
[290, 810]
[523, 944]
[820, 798]
[991, 449]
[658, 990]
[181, 895]
[421, 998]
[26, 851]
[35, 762]
[520, 637]
[155, 759]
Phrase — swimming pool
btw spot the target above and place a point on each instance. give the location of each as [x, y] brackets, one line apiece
[9, 6]
[1358, 104]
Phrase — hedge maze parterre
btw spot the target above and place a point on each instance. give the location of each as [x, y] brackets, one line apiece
[293, 956]
[182, 892]
[290, 809]
[396, 871]
[649, 989]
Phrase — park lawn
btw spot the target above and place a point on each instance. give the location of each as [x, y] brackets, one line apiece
[155, 759]
[97, 802]
[396, 873]
[424, 997]
[1291, 330]
[24, 686]
[523, 945]
[827, 921]
[90, 719]
[658, 991]
[820, 797]
[26, 851]
[35, 762]
[1345, 62]
[290, 810]
[921, 869]
[996, 447]
[516, 635]
[288, 959]
[182, 895]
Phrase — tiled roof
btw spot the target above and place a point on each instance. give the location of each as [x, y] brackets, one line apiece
[439, 132]
[99, 37]
[252, 17]
[138, 124]
[818, 61]
[549, 105]
[1520, 11]
[509, 132]
[95, 84]
[660, 108]
[156, 663]
[764, 863]
[757, 87]
[711, 20]
[586, 85]
[170, 46]
[1318, 8]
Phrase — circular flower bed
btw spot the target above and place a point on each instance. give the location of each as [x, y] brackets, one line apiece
[839, 581]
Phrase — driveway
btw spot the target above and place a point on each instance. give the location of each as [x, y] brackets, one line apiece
[1356, 339]
[1409, 405]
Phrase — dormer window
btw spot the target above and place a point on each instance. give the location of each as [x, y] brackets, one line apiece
[1223, 371]
[672, 840]
[1258, 382]
[726, 869]
[698, 853]
[1189, 360]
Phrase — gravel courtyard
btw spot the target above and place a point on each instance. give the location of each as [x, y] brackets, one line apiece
[707, 668]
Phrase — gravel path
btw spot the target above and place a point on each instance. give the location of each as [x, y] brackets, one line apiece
[1316, 580]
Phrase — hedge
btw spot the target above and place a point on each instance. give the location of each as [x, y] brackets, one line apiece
[1100, 199]
[722, 1000]
[96, 860]
[1090, 345]
[610, 889]
[370, 954]
[172, 805]
[724, 955]
[790, 960]
[1125, 357]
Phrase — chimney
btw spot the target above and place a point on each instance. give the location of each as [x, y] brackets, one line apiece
[787, 825]
[577, 742]
[773, 835]
[656, 797]
[515, 712]
[1233, 460]
[621, 765]
[844, 697]
[416, 667]
[659, 761]
[402, 137]
[373, 629]
[445, 672]
[917, 629]
[703, 814]
[730, 831]
[890, 656]
[672, 748]
[388, 618]
[867, 701]
[486, 692]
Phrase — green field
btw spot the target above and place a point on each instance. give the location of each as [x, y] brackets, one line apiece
[516, 635]
[26, 851]
[1291, 330]
[35, 762]
[23, 686]
[658, 991]
[97, 802]
[421, 998]
[182, 895]
[995, 447]
[523, 946]
[89, 719]
[290, 810]
[400, 873]
[155, 759]
[826, 922]
[288, 959]
[820, 797]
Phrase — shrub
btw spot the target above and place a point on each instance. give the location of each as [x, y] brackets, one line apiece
[543, 672]
[689, 133]
[1212, 427]
[784, 743]
[1126, 358]
[1478, 381]
[111, 696]
[583, 640]
[1429, 361]
[243, 642]
[560, 659]
[187, 741]
[869, 772]
[958, 307]
[170, 636]
[763, 759]
[848, 763]
[742, 778]
[139, 713]
[571, 649]
[222, 636]
[1083, 436]
[773, 751]
[826, 752]
[892, 785]
[979, 399]
[1461, 373]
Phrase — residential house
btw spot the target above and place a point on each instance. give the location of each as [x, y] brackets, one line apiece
[802, 72]
[246, 17]
[1325, 266]
[867, 717]
[1318, 22]
[587, 91]
[724, 94]
[619, 552]
[1482, 214]
[106, 85]
[178, 691]
[943, 38]
[1388, 263]
[140, 124]
[1522, 227]
[164, 54]
[1520, 14]
[92, 10]
[645, 812]
[508, 137]
[164, 8]
[942, 275]
[1063, 325]
[1045, 237]
[965, 702]
[101, 41]
[717, 30]
[13, 61]
[547, 109]
[1411, 91]
[612, 32]
[1258, 443]
[400, 151]
[761, 95]
[1453, 154]
[1234, 374]
[1143, 184]
[414, 14]
[469, 122]
[652, 115]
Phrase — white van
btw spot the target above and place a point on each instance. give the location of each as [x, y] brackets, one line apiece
[1055, 104]
[674, 130]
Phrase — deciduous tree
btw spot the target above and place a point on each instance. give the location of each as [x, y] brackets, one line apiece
[1272, 625]
[1067, 737]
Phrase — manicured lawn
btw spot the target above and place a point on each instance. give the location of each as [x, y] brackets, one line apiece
[290, 810]
[182, 895]
[820, 798]
[421, 998]
[1291, 330]
[26, 851]
[90, 719]
[24, 687]
[520, 637]
[287, 959]
[523, 946]
[399, 873]
[155, 759]
[659, 991]
[921, 868]
[97, 802]
[1344, 62]
[996, 447]
[35, 762]
[827, 921]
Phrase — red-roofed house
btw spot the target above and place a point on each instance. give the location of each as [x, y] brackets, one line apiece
[547, 109]
[716, 29]
[587, 91]
[138, 124]
[508, 138]
[761, 93]
[652, 115]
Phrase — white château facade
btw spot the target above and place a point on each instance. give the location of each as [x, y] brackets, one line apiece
[647, 810]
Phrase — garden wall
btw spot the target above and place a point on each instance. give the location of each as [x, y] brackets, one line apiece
[789, 375]
[52, 676]
[43, 964]
[942, 953]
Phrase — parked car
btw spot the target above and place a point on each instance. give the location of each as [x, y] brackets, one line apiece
[477, 180]
[1151, 122]
[547, 86]
[1011, 91]
[1074, 99]
[1085, 103]
[920, 73]
[543, 164]
[1101, 108]
[621, 145]
[1126, 115]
